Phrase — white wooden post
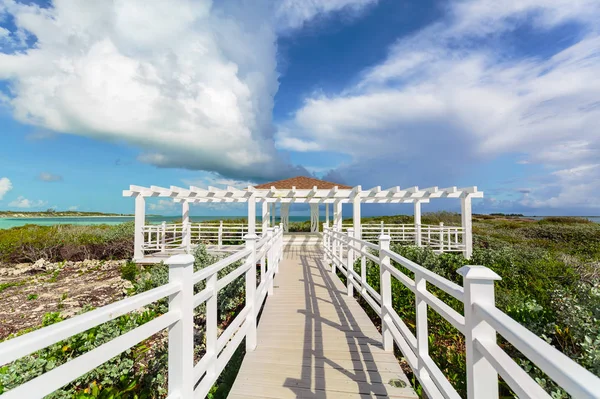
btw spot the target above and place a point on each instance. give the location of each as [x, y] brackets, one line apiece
[441, 236]
[252, 214]
[251, 292]
[186, 228]
[482, 378]
[325, 240]
[363, 270]
[327, 213]
[337, 242]
[314, 218]
[163, 237]
[270, 258]
[273, 214]
[421, 325]
[212, 326]
[181, 334]
[350, 264]
[280, 246]
[140, 221]
[220, 235]
[356, 214]
[417, 223]
[284, 212]
[337, 214]
[333, 244]
[265, 217]
[467, 224]
[385, 288]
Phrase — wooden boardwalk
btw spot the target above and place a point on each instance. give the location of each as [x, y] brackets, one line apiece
[316, 342]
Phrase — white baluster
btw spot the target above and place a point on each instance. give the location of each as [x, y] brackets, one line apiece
[325, 238]
[386, 292]
[350, 264]
[220, 235]
[163, 245]
[482, 378]
[441, 237]
[181, 334]
[271, 242]
[421, 325]
[212, 326]
[251, 292]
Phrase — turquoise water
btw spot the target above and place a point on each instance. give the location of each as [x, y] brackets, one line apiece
[7, 223]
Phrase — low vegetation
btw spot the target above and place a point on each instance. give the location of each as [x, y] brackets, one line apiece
[140, 372]
[550, 283]
[66, 243]
[54, 213]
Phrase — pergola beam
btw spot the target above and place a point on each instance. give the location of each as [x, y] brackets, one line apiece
[314, 195]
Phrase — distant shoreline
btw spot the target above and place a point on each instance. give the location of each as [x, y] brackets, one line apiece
[23, 216]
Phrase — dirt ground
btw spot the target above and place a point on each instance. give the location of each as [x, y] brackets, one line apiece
[30, 290]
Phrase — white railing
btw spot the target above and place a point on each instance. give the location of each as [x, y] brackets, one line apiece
[480, 323]
[183, 374]
[440, 238]
[165, 237]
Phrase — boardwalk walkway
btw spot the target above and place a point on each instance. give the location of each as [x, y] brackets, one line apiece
[316, 342]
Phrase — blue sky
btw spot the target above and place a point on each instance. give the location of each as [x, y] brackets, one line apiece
[95, 96]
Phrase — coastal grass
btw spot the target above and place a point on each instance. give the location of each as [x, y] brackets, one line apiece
[66, 243]
[550, 284]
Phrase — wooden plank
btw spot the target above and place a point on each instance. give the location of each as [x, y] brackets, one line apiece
[316, 342]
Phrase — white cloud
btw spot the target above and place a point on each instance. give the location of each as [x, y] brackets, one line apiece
[191, 83]
[442, 102]
[5, 186]
[73, 208]
[286, 142]
[213, 179]
[49, 177]
[295, 13]
[22, 202]
[163, 205]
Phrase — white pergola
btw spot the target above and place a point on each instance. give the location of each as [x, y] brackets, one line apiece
[313, 196]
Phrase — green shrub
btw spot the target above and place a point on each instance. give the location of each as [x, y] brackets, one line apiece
[538, 289]
[139, 372]
[129, 271]
[66, 242]
[565, 220]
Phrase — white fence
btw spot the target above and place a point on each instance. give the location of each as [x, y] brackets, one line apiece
[480, 323]
[164, 237]
[440, 238]
[183, 375]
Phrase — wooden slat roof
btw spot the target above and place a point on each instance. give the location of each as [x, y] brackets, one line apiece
[301, 183]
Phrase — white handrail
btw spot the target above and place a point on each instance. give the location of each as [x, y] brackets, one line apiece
[481, 321]
[161, 238]
[183, 374]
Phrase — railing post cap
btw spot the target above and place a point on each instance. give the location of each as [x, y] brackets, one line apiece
[180, 260]
[250, 237]
[385, 237]
[475, 272]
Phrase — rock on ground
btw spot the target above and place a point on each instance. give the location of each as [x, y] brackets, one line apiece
[34, 289]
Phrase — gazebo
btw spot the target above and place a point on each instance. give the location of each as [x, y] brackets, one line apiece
[315, 192]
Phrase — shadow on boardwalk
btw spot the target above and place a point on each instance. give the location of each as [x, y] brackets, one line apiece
[316, 342]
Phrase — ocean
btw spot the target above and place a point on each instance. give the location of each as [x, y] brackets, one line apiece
[7, 223]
